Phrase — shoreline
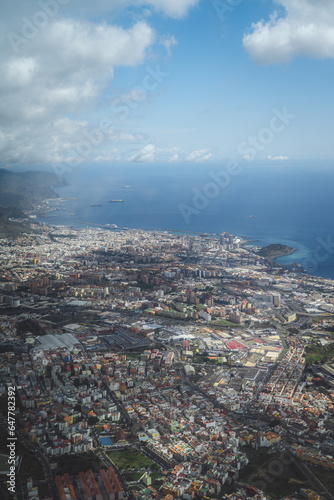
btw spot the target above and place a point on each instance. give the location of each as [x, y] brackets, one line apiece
[275, 250]
[244, 241]
[286, 253]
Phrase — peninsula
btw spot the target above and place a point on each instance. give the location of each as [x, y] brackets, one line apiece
[275, 250]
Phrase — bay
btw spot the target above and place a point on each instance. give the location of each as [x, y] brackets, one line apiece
[289, 202]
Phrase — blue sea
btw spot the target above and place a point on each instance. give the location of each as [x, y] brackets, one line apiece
[289, 202]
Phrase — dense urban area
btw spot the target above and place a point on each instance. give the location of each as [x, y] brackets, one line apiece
[152, 364]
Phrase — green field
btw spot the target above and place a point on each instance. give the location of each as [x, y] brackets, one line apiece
[224, 322]
[130, 459]
[132, 476]
[319, 354]
[133, 355]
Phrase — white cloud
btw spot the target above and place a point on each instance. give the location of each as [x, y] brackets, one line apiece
[108, 157]
[168, 42]
[172, 8]
[278, 158]
[305, 29]
[123, 136]
[147, 154]
[199, 155]
[63, 71]
[246, 157]
[53, 77]
[174, 158]
[14, 12]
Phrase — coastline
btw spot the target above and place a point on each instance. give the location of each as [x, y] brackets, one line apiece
[276, 250]
[107, 219]
[292, 224]
[285, 254]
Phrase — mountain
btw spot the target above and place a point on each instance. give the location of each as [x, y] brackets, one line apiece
[25, 189]
[20, 191]
[10, 228]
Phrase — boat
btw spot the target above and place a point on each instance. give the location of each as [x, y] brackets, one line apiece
[252, 216]
[126, 187]
[116, 201]
[95, 205]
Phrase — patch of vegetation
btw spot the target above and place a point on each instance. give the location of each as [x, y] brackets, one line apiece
[133, 355]
[10, 228]
[275, 250]
[130, 459]
[293, 330]
[224, 322]
[256, 460]
[132, 476]
[274, 474]
[157, 478]
[319, 354]
[325, 476]
[56, 319]
[78, 463]
[99, 429]
[27, 326]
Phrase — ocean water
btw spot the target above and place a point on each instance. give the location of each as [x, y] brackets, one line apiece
[290, 202]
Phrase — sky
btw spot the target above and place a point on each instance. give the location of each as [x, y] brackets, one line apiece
[166, 81]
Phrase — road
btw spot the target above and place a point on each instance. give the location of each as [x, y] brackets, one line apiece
[314, 481]
[49, 479]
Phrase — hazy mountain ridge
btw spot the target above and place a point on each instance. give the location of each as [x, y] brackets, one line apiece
[9, 228]
[24, 189]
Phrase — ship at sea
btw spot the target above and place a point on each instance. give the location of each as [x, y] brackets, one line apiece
[116, 201]
[126, 187]
[95, 205]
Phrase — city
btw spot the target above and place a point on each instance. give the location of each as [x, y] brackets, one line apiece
[153, 364]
